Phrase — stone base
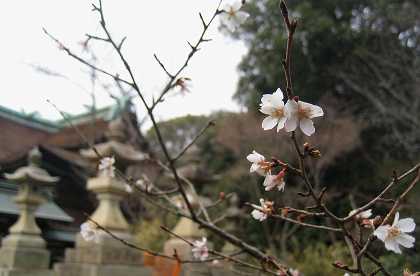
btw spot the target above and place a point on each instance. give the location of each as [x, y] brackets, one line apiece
[107, 251]
[197, 270]
[21, 272]
[74, 269]
[107, 257]
[24, 258]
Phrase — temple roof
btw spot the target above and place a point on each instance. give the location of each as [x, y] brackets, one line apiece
[21, 132]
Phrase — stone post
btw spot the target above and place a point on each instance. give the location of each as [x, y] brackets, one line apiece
[110, 192]
[23, 250]
[190, 231]
[107, 256]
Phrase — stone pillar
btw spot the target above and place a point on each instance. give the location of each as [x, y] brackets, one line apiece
[23, 250]
[190, 231]
[107, 256]
[187, 229]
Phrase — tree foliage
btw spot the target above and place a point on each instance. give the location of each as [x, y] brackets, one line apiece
[366, 53]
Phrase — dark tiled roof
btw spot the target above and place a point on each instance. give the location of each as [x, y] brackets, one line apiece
[21, 132]
[49, 210]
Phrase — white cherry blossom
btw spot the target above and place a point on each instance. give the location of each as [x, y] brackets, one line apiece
[294, 272]
[233, 17]
[259, 164]
[273, 106]
[396, 234]
[128, 188]
[261, 212]
[362, 215]
[184, 84]
[106, 167]
[273, 181]
[301, 113]
[89, 232]
[200, 250]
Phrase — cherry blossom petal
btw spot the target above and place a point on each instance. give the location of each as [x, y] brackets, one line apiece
[405, 240]
[254, 167]
[261, 172]
[291, 108]
[307, 126]
[392, 245]
[277, 98]
[281, 123]
[281, 186]
[226, 7]
[381, 232]
[291, 124]
[406, 225]
[266, 99]
[255, 157]
[267, 109]
[269, 122]
[315, 111]
[269, 182]
[396, 218]
[258, 215]
[241, 17]
[236, 5]
[366, 214]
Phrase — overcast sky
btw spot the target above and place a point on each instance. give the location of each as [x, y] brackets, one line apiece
[158, 26]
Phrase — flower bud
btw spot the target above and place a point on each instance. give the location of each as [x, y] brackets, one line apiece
[284, 211]
[222, 195]
[301, 217]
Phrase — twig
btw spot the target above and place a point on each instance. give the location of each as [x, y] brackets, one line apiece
[81, 60]
[382, 193]
[163, 66]
[315, 226]
[127, 243]
[194, 49]
[227, 257]
[198, 135]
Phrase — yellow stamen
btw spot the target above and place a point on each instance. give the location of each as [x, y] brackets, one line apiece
[264, 165]
[304, 112]
[278, 113]
[393, 232]
[231, 12]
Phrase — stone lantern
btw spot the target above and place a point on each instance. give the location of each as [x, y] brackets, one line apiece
[111, 190]
[24, 248]
[190, 231]
[185, 228]
[107, 256]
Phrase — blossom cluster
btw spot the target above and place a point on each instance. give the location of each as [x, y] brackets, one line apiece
[200, 250]
[233, 16]
[289, 115]
[392, 235]
[396, 234]
[106, 167]
[264, 168]
[265, 209]
[89, 232]
[280, 115]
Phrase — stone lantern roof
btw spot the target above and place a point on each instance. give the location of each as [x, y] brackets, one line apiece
[124, 154]
[32, 173]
